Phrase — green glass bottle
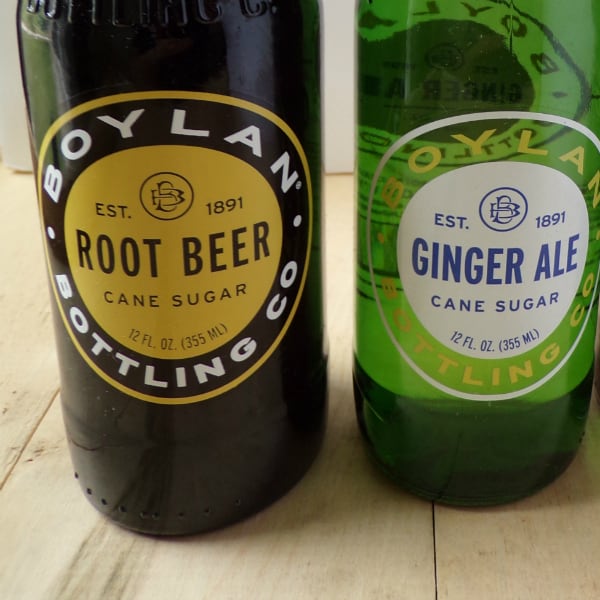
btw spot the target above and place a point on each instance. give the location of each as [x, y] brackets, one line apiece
[477, 241]
[178, 169]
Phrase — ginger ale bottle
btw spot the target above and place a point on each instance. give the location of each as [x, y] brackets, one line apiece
[477, 241]
[177, 147]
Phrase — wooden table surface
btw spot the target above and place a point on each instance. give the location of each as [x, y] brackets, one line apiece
[342, 533]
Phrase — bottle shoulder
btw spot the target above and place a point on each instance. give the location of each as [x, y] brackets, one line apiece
[450, 63]
[266, 51]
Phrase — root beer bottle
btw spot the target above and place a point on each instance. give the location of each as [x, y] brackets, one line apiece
[478, 220]
[177, 152]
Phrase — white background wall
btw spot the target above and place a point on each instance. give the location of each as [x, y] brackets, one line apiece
[14, 145]
[338, 93]
[338, 49]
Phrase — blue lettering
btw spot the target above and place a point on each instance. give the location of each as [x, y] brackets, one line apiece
[473, 272]
[572, 251]
[493, 265]
[543, 266]
[553, 263]
[514, 262]
[451, 263]
[419, 262]
[473, 265]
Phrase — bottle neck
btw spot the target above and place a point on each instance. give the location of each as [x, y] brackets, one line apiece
[146, 12]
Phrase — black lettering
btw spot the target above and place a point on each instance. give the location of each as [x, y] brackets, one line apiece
[215, 251]
[130, 257]
[192, 261]
[488, 92]
[514, 26]
[261, 232]
[432, 9]
[452, 90]
[432, 89]
[544, 64]
[84, 245]
[152, 244]
[514, 93]
[237, 246]
[106, 254]
[396, 88]
[473, 12]
[470, 90]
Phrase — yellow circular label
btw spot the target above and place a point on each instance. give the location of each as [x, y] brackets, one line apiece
[173, 249]
[178, 228]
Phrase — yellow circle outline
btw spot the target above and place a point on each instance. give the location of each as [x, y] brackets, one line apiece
[177, 95]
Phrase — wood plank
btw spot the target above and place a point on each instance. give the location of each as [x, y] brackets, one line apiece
[342, 532]
[28, 370]
[543, 547]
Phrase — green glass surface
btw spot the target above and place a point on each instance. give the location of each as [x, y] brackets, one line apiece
[420, 62]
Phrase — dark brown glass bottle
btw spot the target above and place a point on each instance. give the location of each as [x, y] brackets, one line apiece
[177, 151]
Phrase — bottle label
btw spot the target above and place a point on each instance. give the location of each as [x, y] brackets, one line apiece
[177, 228]
[496, 266]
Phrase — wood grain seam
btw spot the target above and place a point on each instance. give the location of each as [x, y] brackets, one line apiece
[32, 433]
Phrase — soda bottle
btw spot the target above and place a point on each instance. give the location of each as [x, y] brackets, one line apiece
[178, 165]
[477, 241]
